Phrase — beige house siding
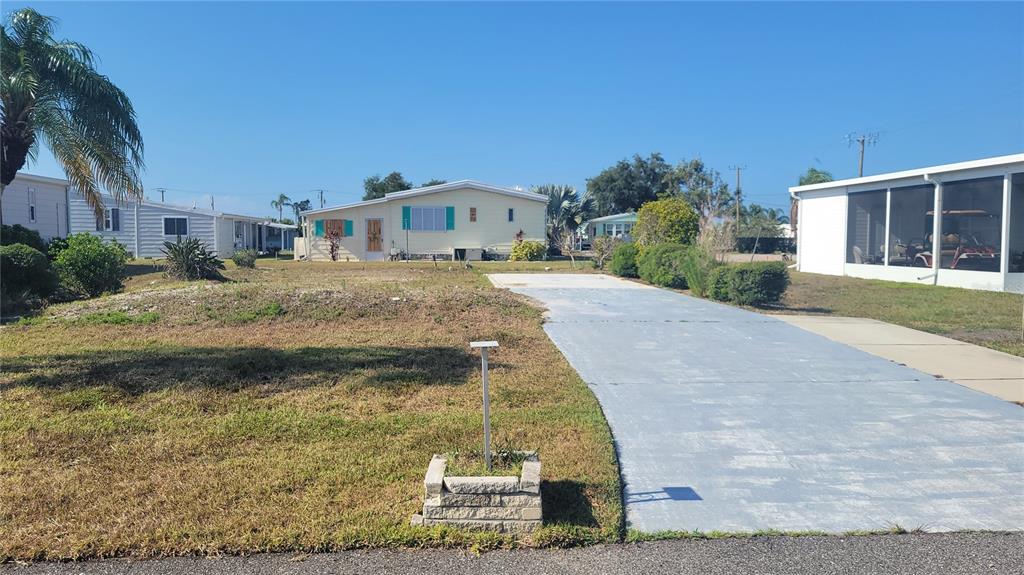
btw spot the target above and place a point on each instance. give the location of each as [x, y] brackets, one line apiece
[491, 231]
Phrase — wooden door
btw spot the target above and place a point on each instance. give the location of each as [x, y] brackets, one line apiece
[373, 237]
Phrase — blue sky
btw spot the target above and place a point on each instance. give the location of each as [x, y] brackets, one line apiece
[248, 100]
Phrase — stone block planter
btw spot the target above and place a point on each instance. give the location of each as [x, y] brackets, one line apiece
[506, 504]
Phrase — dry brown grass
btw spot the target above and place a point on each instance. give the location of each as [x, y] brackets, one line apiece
[292, 408]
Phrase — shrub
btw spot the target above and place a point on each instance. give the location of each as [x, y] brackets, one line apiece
[718, 283]
[623, 262]
[55, 247]
[698, 262]
[189, 259]
[89, 267]
[758, 283]
[527, 251]
[662, 265]
[244, 258]
[19, 234]
[24, 274]
[603, 247]
[668, 221]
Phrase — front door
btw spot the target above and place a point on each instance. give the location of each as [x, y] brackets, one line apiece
[374, 241]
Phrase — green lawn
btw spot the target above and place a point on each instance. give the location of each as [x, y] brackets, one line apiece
[991, 319]
[293, 407]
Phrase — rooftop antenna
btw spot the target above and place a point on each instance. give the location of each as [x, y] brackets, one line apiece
[869, 139]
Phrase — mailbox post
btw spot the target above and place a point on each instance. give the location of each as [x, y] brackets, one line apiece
[483, 346]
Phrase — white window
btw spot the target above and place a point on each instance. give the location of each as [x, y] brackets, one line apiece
[175, 226]
[427, 219]
[110, 221]
[31, 205]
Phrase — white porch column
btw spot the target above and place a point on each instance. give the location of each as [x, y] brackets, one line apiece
[1004, 245]
[937, 233]
[888, 208]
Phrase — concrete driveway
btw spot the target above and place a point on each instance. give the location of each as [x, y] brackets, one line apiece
[731, 420]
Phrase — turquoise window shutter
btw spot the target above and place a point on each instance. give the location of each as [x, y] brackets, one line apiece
[406, 217]
[348, 228]
[318, 228]
[449, 218]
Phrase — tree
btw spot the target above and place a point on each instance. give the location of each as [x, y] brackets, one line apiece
[566, 211]
[279, 205]
[628, 185]
[433, 182]
[815, 176]
[703, 188]
[671, 220]
[377, 187]
[298, 208]
[760, 222]
[811, 176]
[51, 92]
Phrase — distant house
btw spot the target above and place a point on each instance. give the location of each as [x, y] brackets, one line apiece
[616, 225]
[144, 226]
[462, 220]
[38, 203]
[279, 236]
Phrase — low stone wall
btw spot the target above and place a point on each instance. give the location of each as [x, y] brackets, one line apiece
[504, 504]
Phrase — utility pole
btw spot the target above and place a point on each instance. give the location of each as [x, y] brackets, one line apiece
[321, 198]
[738, 194]
[211, 204]
[161, 190]
[861, 140]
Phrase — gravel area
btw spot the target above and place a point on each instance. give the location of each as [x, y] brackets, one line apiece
[938, 553]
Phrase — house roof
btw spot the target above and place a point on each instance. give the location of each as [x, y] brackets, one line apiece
[918, 172]
[43, 179]
[612, 217]
[187, 209]
[458, 185]
[271, 224]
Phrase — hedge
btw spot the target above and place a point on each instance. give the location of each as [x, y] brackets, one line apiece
[19, 234]
[623, 262]
[24, 273]
[663, 265]
[756, 283]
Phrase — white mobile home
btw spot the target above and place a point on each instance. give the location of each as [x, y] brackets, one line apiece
[885, 226]
[462, 220]
[143, 226]
[39, 203]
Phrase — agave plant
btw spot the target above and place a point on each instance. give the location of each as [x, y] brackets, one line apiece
[50, 91]
[189, 259]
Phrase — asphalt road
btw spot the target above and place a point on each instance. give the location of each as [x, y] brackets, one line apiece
[939, 554]
[730, 420]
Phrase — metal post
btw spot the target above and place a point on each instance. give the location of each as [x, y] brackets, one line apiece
[484, 346]
[487, 411]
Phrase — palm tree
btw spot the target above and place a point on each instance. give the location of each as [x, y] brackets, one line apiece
[299, 207]
[51, 92]
[566, 211]
[279, 204]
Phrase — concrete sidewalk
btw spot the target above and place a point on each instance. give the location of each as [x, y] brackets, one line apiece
[986, 370]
